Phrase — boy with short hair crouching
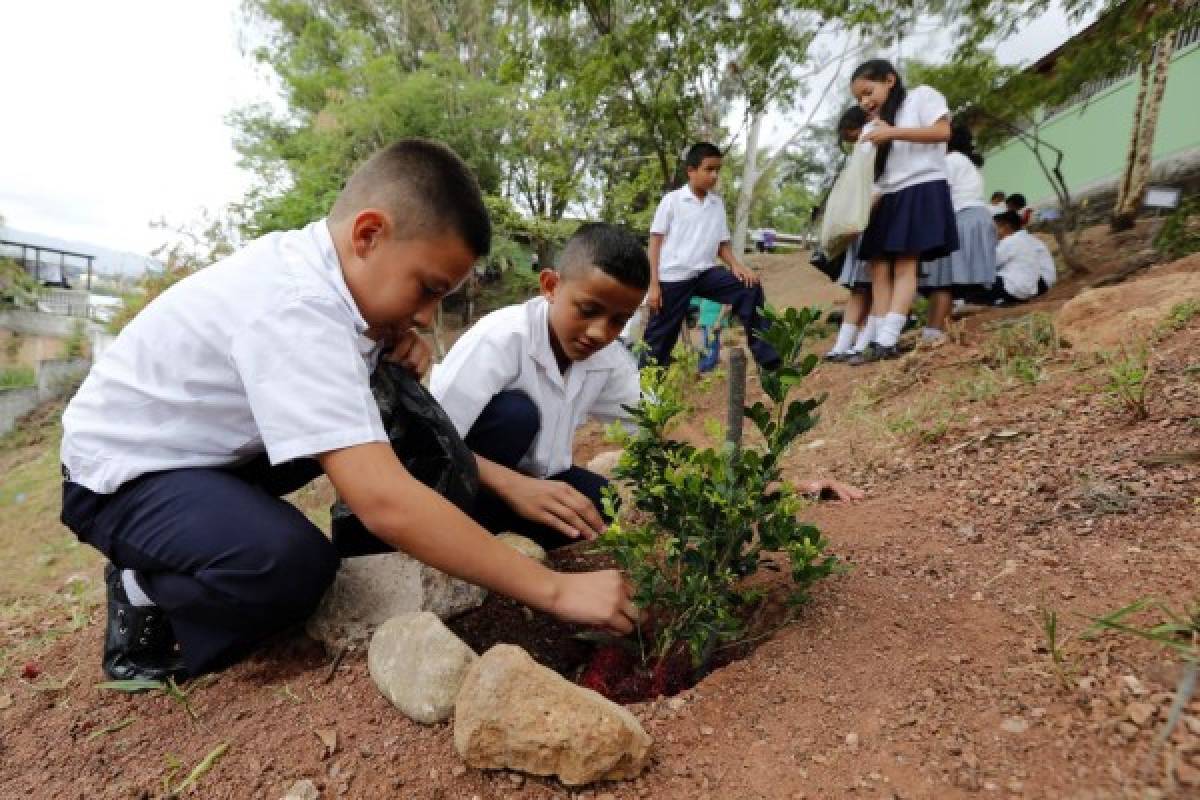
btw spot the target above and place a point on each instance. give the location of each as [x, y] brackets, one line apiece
[244, 382]
[520, 382]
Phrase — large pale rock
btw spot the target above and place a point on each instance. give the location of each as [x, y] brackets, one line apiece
[604, 463]
[524, 546]
[513, 713]
[369, 590]
[302, 790]
[1106, 318]
[419, 664]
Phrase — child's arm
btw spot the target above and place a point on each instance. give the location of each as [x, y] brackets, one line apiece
[938, 132]
[416, 520]
[743, 273]
[654, 291]
[556, 504]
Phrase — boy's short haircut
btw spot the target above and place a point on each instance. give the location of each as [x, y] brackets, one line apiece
[700, 151]
[1017, 200]
[852, 119]
[1010, 218]
[609, 248]
[998, 194]
[427, 189]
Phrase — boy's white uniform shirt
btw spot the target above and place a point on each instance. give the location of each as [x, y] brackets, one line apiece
[911, 163]
[692, 229]
[1047, 269]
[262, 351]
[1019, 264]
[510, 349]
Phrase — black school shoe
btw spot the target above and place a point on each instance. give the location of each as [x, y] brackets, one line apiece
[875, 352]
[138, 642]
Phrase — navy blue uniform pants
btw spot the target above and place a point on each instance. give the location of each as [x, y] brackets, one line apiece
[228, 561]
[720, 285]
[503, 433]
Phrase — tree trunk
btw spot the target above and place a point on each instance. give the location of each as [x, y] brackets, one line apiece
[741, 217]
[1152, 86]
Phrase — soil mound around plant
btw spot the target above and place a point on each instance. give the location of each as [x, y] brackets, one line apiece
[1104, 318]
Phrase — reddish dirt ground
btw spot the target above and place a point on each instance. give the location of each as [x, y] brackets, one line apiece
[921, 673]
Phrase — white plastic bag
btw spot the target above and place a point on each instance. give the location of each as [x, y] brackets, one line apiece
[849, 205]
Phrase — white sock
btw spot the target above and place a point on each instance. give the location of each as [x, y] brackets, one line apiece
[932, 334]
[890, 328]
[845, 338]
[133, 591]
[866, 334]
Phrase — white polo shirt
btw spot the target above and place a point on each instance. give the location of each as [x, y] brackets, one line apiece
[262, 351]
[911, 163]
[1021, 259]
[692, 228]
[510, 349]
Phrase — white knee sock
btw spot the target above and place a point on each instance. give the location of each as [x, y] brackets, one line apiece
[133, 590]
[845, 338]
[866, 334]
[932, 334]
[890, 328]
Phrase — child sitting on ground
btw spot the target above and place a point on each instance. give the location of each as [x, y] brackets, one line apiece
[1024, 266]
[244, 382]
[521, 381]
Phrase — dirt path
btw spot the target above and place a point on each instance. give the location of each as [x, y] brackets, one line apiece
[921, 673]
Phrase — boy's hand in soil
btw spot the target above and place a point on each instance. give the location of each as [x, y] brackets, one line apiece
[556, 504]
[599, 599]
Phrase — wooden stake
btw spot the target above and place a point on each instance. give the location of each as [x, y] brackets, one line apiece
[737, 397]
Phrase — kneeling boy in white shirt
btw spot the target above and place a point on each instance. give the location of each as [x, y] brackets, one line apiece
[520, 382]
[243, 382]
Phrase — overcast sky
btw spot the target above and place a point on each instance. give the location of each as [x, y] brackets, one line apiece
[114, 112]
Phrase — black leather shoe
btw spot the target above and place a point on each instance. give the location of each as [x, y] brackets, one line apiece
[836, 358]
[138, 642]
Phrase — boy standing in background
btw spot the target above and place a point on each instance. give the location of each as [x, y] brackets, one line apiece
[689, 234]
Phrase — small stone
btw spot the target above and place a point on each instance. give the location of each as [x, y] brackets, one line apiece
[370, 590]
[419, 665]
[1140, 713]
[1192, 724]
[458, 771]
[1127, 729]
[852, 741]
[516, 779]
[706, 730]
[302, 790]
[676, 703]
[1132, 685]
[524, 546]
[1015, 725]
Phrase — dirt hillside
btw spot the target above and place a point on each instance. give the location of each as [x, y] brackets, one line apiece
[1006, 481]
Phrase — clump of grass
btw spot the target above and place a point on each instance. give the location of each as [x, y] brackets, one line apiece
[1032, 335]
[1128, 376]
[1060, 662]
[17, 377]
[1180, 315]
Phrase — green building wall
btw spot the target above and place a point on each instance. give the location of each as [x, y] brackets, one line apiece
[1094, 136]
